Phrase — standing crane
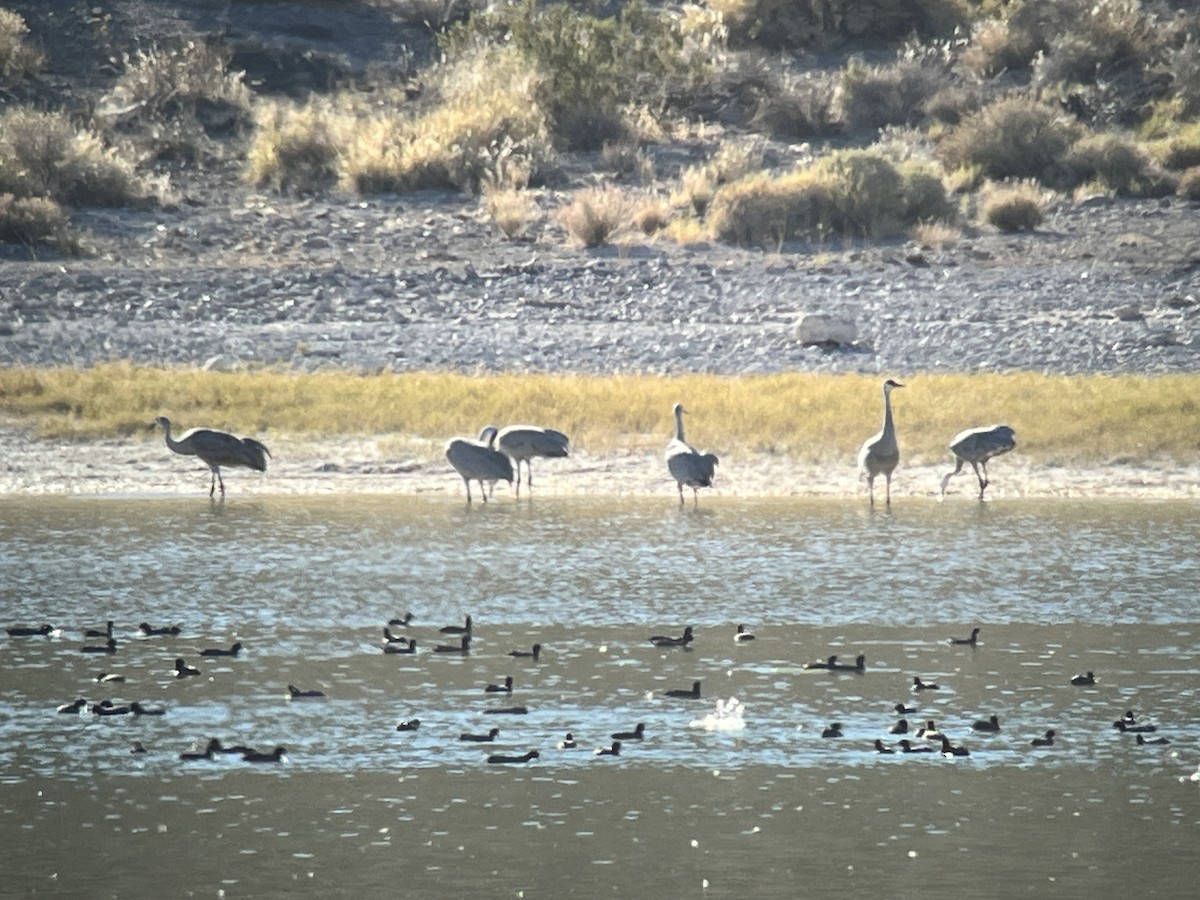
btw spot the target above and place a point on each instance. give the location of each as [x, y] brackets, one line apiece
[686, 465]
[523, 442]
[880, 454]
[479, 461]
[216, 449]
[976, 446]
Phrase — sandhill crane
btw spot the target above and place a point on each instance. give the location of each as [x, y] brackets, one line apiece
[523, 442]
[880, 453]
[216, 449]
[686, 465]
[479, 461]
[976, 446]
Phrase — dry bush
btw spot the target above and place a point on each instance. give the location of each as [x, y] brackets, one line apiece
[44, 154]
[1013, 41]
[1189, 184]
[1012, 138]
[487, 118]
[1099, 37]
[1183, 63]
[296, 148]
[935, 235]
[952, 103]
[595, 215]
[652, 214]
[736, 158]
[1117, 163]
[1180, 150]
[923, 191]
[1013, 206]
[696, 188]
[870, 97]
[795, 105]
[436, 14]
[627, 159]
[34, 220]
[513, 210]
[17, 58]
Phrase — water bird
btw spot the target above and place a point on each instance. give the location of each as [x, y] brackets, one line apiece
[1158, 741]
[137, 748]
[990, 725]
[919, 685]
[409, 725]
[904, 710]
[218, 747]
[743, 635]
[860, 665]
[164, 631]
[614, 750]
[636, 735]
[501, 758]
[183, 670]
[1084, 680]
[464, 628]
[389, 638]
[401, 646]
[1129, 719]
[401, 622]
[105, 632]
[834, 730]
[1047, 741]
[533, 653]
[907, 747]
[880, 453]
[1121, 726]
[523, 442]
[210, 748]
[108, 678]
[567, 743]
[829, 663]
[218, 651]
[255, 756]
[881, 747]
[462, 647]
[976, 446]
[949, 749]
[480, 738]
[294, 693]
[30, 630]
[76, 706]
[900, 727]
[109, 646]
[138, 710]
[687, 466]
[969, 641]
[929, 731]
[216, 449]
[507, 711]
[680, 693]
[108, 708]
[660, 640]
[505, 688]
[479, 461]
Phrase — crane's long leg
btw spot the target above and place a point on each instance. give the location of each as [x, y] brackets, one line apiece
[888, 484]
[220, 481]
[467, 482]
[871, 488]
[680, 485]
[212, 486]
[482, 491]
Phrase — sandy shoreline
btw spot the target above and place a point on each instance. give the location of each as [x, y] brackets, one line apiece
[361, 466]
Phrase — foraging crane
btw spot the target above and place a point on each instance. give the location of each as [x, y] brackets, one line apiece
[880, 454]
[686, 465]
[479, 461]
[216, 449]
[976, 446]
[523, 442]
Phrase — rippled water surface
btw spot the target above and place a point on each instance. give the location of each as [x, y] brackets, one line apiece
[768, 810]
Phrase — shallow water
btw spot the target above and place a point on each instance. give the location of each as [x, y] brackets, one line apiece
[770, 810]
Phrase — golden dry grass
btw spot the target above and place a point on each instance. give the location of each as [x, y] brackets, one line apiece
[1069, 420]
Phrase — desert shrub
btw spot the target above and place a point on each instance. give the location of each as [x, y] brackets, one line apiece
[44, 154]
[436, 14]
[875, 96]
[816, 24]
[592, 66]
[627, 159]
[486, 117]
[1115, 162]
[295, 148]
[164, 84]
[923, 193]
[1180, 150]
[1023, 31]
[696, 188]
[512, 209]
[595, 215]
[1189, 184]
[1012, 138]
[1098, 38]
[951, 103]
[651, 214]
[17, 58]
[33, 220]
[1011, 207]
[792, 105]
[1183, 63]
[935, 235]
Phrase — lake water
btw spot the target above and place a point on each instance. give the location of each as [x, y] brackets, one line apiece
[771, 810]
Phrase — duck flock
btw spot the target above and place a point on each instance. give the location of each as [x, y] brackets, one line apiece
[496, 455]
[907, 730]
